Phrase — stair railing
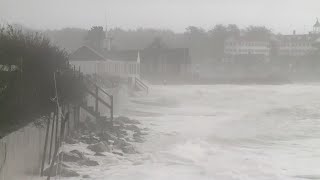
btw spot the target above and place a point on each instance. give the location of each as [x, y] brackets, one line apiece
[139, 84]
[98, 99]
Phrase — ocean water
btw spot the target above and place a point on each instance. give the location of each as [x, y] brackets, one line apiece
[223, 132]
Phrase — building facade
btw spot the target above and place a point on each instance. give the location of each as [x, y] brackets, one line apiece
[280, 45]
[243, 46]
[296, 45]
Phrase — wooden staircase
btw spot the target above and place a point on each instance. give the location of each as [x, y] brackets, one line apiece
[94, 90]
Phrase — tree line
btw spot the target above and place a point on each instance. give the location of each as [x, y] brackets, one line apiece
[203, 44]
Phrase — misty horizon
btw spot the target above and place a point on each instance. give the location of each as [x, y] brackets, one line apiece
[153, 14]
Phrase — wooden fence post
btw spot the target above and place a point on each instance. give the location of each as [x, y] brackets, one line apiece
[45, 145]
[52, 134]
[97, 102]
[111, 110]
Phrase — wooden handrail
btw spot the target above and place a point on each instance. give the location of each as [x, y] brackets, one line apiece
[99, 99]
[93, 83]
[96, 93]
[138, 81]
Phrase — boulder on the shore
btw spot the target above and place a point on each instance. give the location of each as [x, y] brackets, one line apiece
[119, 143]
[89, 139]
[137, 138]
[132, 127]
[70, 140]
[88, 125]
[69, 157]
[107, 136]
[126, 120]
[99, 154]
[86, 176]
[88, 162]
[117, 153]
[62, 170]
[99, 147]
[77, 152]
[129, 149]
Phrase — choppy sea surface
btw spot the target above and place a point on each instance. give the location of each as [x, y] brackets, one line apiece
[223, 132]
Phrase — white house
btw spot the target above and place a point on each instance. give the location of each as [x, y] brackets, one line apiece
[90, 61]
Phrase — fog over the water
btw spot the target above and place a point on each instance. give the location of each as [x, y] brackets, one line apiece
[282, 16]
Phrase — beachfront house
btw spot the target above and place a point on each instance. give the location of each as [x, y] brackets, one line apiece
[92, 62]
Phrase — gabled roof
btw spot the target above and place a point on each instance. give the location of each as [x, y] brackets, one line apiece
[85, 53]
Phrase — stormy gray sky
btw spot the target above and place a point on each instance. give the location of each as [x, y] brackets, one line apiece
[280, 15]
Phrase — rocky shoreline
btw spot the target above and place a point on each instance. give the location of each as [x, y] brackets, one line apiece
[88, 145]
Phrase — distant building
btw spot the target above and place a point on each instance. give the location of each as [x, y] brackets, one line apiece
[295, 45]
[165, 63]
[157, 62]
[243, 46]
[279, 45]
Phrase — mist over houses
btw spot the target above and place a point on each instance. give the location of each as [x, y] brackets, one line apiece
[223, 54]
[155, 62]
[276, 45]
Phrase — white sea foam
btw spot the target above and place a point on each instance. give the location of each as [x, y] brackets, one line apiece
[224, 132]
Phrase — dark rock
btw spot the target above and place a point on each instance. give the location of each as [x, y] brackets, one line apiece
[119, 123]
[70, 140]
[119, 143]
[126, 120]
[128, 149]
[88, 125]
[69, 157]
[63, 171]
[88, 162]
[138, 139]
[86, 176]
[89, 139]
[106, 136]
[123, 133]
[99, 147]
[132, 128]
[117, 153]
[80, 154]
[99, 154]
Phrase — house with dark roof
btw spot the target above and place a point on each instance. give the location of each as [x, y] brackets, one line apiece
[165, 63]
[156, 63]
